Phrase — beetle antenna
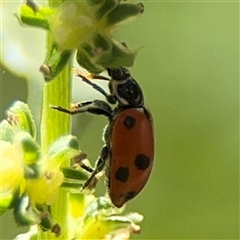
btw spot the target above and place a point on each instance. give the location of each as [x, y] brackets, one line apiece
[87, 80]
[89, 75]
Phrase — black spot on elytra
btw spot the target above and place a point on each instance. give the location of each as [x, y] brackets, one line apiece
[129, 195]
[142, 162]
[129, 122]
[122, 174]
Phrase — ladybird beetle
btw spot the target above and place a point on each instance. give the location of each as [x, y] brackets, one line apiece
[128, 153]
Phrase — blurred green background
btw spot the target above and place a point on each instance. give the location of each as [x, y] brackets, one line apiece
[189, 71]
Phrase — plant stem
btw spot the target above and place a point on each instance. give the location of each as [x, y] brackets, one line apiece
[54, 125]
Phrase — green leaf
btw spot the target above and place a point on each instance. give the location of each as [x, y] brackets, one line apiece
[43, 212]
[31, 150]
[125, 220]
[123, 12]
[6, 131]
[85, 61]
[119, 56]
[8, 200]
[31, 153]
[100, 205]
[102, 42]
[94, 2]
[20, 117]
[32, 171]
[37, 18]
[55, 62]
[106, 7]
[135, 217]
[63, 149]
[111, 54]
[23, 214]
[76, 174]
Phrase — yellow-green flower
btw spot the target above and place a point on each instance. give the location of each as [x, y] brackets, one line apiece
[30, 180]
[86, 27]
[24, 170]
[44, 190]
[11, 175]
[73, 24]
[101, 220]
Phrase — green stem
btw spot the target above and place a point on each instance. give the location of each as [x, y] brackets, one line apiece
[54, 125]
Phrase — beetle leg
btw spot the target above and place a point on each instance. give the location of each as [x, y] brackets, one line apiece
[93, 179]
[78, 162]
[96, 107]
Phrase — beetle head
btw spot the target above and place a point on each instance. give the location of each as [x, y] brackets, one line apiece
[126, 89]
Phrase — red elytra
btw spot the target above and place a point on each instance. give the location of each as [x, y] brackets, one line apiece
[128, 153]
[132, 152]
